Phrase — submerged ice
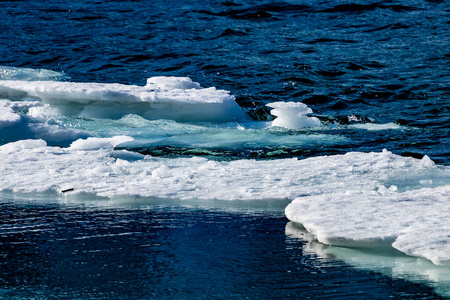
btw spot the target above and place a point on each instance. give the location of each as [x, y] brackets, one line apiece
[35, 106]
[12, 73]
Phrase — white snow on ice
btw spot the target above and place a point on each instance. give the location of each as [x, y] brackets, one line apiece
[406, 206]
[356, 199]
[176, 98]
[292, 115]
[7, 115]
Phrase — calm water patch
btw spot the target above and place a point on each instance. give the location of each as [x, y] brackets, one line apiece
[66, 252]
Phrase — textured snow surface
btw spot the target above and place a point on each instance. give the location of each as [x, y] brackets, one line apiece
[406, 206]
[176, 98]
[356, 199]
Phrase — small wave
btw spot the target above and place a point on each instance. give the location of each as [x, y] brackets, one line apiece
[356, 8]
[327, 40]
[331, 73]
[264, 11]
[388, 27]
[232, 32]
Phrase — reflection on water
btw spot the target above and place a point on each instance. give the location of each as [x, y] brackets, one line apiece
[74, 251]
[387, 261]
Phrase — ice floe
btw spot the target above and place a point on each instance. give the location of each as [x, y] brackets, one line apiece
[176, 98]
[389, 262]
[406, 206]
[356, 199]
[292, 115]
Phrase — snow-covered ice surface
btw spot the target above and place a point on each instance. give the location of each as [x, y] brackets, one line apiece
[355, 200]
[403, 203]
[7, 115]
[163, 97]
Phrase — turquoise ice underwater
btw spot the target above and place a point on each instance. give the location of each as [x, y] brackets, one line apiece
[363, 205]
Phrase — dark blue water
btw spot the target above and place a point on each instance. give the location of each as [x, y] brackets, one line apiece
[64, 252]
[380, 61]
[352, 62]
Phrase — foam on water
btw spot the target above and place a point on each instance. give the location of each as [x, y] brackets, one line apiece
[374, 127]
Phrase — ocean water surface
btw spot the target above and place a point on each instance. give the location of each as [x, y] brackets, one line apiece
[228, 149]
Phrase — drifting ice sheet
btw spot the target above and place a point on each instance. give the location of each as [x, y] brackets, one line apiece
[411, 216]
[385, 261]
[357, 199]
[414, 222]
[175, 98]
